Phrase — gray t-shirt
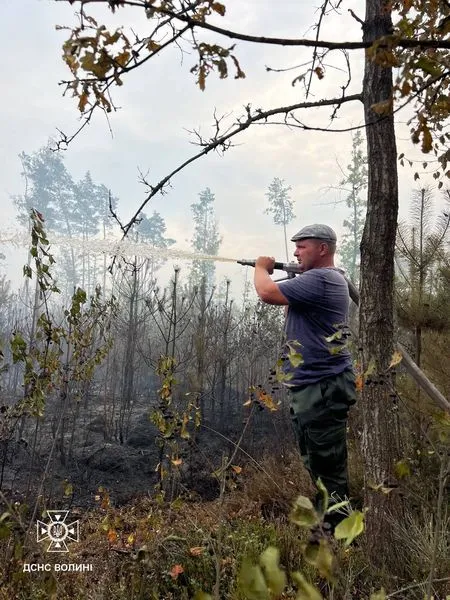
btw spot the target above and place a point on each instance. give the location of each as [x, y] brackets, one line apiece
[318, 308]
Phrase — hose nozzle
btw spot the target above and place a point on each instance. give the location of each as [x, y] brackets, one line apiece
[247, 263]
[291, 267]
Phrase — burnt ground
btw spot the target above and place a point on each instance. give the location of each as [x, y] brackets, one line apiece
[126, 470]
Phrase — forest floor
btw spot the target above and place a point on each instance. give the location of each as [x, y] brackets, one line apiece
[158, 548]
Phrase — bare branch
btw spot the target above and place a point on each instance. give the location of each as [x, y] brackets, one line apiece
[401, 42]
[221, 141]
[356, 17]
[314, 58]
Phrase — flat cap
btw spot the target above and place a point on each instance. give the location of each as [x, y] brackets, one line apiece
[316, 231]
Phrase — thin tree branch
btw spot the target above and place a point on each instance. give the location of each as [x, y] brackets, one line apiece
[222, 141]
[401, 42]
[415, 586]
[314, 58]
[355, 16]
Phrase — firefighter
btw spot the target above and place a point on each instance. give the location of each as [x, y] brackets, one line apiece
[321, 388]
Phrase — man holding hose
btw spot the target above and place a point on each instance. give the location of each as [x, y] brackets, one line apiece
[322, 388]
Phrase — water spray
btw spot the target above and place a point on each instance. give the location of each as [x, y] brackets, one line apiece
[111, 247]
[126, 248]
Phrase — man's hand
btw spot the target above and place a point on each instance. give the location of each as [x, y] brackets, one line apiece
[267, 289]
[266, 262]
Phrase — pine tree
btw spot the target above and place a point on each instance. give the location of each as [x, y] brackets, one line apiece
[422, 263]
[354, 183]
[152, 230]
[280, 206]
[206, 239]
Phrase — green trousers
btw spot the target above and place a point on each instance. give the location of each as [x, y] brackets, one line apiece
[319, 415]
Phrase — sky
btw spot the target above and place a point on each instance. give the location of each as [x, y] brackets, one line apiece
[160, 103]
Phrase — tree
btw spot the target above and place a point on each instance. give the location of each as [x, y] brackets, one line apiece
[152, 230]
[422, 299]
[206, 239]
[421, 259]
[136, 282]
[280, 206]
[354, 182]
[416, 45]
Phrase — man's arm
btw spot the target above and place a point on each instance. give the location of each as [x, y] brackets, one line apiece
[267, 289]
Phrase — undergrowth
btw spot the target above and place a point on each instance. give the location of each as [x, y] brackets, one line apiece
[154, 550]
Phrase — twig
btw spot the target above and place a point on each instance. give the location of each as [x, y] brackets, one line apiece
[415, 585]
[356, 17]
[314, 58]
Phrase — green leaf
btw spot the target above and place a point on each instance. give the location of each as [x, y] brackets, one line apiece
[251, 582]
[306, 591]
[337, 506]
[429, 66]
[350, 528]
[303, 513]
[402, 469]
[337, 335]
[274, 575]
[202, 596]
[68, 489]
[325, 499]
[5, 530]
[320, 556]
[296, 359]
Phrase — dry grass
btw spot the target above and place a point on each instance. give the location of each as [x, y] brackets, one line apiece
[137, 550]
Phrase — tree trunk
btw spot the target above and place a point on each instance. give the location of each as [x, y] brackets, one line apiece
[128, 386]
[378, 440]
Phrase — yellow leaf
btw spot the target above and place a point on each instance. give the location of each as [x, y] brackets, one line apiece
[68, 489]
[306, 591]
[130, 539]
[177, 461]
[275, 576]
[396, 359]
[303, 512]
[196, 551]
[251, 582]
[320, 556]
[350, 527]
[381, 595]
[236, 469]
[267, 400]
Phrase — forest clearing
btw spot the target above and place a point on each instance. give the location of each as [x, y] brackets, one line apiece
[152, 410]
